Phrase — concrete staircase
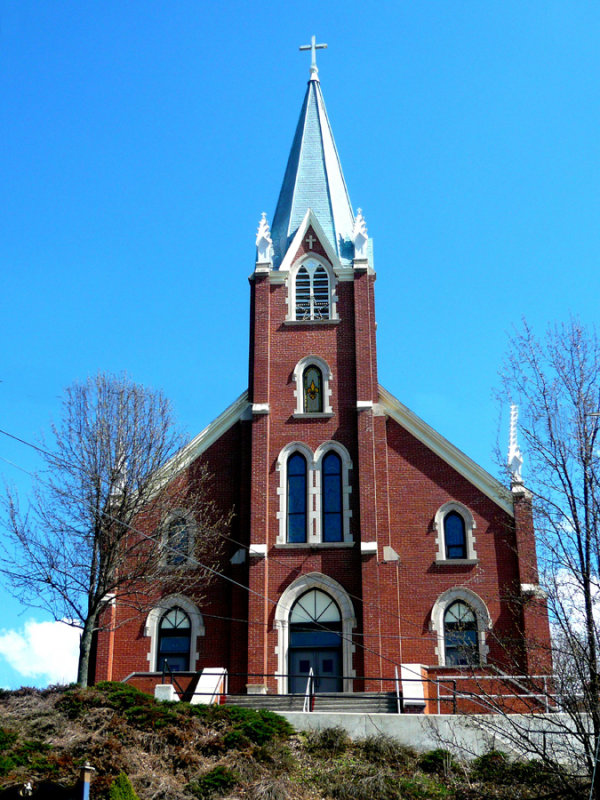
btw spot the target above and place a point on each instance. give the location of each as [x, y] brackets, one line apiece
[339, 702]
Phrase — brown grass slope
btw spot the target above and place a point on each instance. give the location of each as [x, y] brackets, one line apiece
[182, 752]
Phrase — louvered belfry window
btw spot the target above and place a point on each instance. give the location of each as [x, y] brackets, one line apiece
[312, 292]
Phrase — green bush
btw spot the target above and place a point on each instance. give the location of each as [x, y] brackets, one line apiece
[7, 739]
[438, 762]
[121, 789]
[257, 726]
[236, 740]
[218, 781]
[7, 765]
[491, 767]
[122, 696]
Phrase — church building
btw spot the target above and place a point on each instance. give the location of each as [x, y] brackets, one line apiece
[363, 543]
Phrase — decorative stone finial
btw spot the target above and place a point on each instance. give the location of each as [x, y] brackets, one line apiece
[313, 47]
[515, 459]
[360, 237]
[264, 244]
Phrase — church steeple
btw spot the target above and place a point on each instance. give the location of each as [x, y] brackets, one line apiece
[313, 179]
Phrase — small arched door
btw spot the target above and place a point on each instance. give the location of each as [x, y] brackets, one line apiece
[315, 643]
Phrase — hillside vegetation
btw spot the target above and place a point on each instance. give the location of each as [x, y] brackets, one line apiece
[148, 750]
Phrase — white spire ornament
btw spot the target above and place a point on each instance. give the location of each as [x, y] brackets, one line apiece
[360, 237]
[264, 244]
[515, 459]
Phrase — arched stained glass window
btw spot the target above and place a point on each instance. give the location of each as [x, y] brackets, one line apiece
[331, 476]
[177, 541]
[454, 536]
[460, 635]
[174, 640]
[296, 498]
[313, 389]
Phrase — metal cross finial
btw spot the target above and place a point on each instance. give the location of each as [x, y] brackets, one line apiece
[313, 47]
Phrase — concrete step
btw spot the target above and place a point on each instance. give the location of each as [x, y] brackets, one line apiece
[357, 702]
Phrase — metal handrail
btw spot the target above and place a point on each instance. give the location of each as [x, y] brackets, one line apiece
[308, 694]
[173, 678]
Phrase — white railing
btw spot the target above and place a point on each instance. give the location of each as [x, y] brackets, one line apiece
[309, 692]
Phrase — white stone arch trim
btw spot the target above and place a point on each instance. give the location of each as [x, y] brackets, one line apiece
[153, 620]
[470, 526]
[192, 526]
[482, 615]
[327, 375]
[303, 584]
[344, 455]
[282, 461]
[291, 284]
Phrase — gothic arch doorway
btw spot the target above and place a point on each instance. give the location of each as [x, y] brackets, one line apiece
[315, 643]
[331, 599]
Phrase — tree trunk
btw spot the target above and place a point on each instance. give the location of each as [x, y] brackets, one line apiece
[85, 648]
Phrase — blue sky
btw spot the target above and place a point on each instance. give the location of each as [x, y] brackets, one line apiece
[141, 141]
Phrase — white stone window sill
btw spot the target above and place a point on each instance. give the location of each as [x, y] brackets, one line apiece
[312, 545]
[313, 415]
[450, 562]
[312, 321]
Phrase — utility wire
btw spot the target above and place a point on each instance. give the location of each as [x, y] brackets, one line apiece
[155, 540]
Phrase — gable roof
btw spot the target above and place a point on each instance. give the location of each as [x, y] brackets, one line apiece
[439, 445]
[200, 443]
[390, 405]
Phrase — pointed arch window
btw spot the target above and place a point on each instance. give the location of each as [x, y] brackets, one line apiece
[297, 516]
[312, 381]
[455, 536]
[460, 635]
[455, 540]
[177, 542]
[174, 635]
[332, 498]
[312, 292]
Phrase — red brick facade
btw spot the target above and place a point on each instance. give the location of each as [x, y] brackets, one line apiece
[397, 485]
[389, 575]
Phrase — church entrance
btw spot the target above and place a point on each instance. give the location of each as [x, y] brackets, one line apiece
[315, 643]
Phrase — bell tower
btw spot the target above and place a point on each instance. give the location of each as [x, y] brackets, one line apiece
[318, 440]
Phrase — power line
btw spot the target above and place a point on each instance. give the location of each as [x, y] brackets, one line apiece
[155, 540]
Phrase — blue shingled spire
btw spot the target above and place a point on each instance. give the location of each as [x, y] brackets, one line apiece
[313, 179]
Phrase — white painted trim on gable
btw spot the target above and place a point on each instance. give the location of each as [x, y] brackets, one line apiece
[309, 220]
[433, 440]
[199, 444]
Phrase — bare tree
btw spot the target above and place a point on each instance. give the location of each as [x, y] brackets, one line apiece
[555, 380]
[92, 531]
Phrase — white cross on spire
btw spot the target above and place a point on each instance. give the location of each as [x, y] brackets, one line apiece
[313, 47]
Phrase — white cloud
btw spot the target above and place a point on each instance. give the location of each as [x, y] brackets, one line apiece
[44, 651]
